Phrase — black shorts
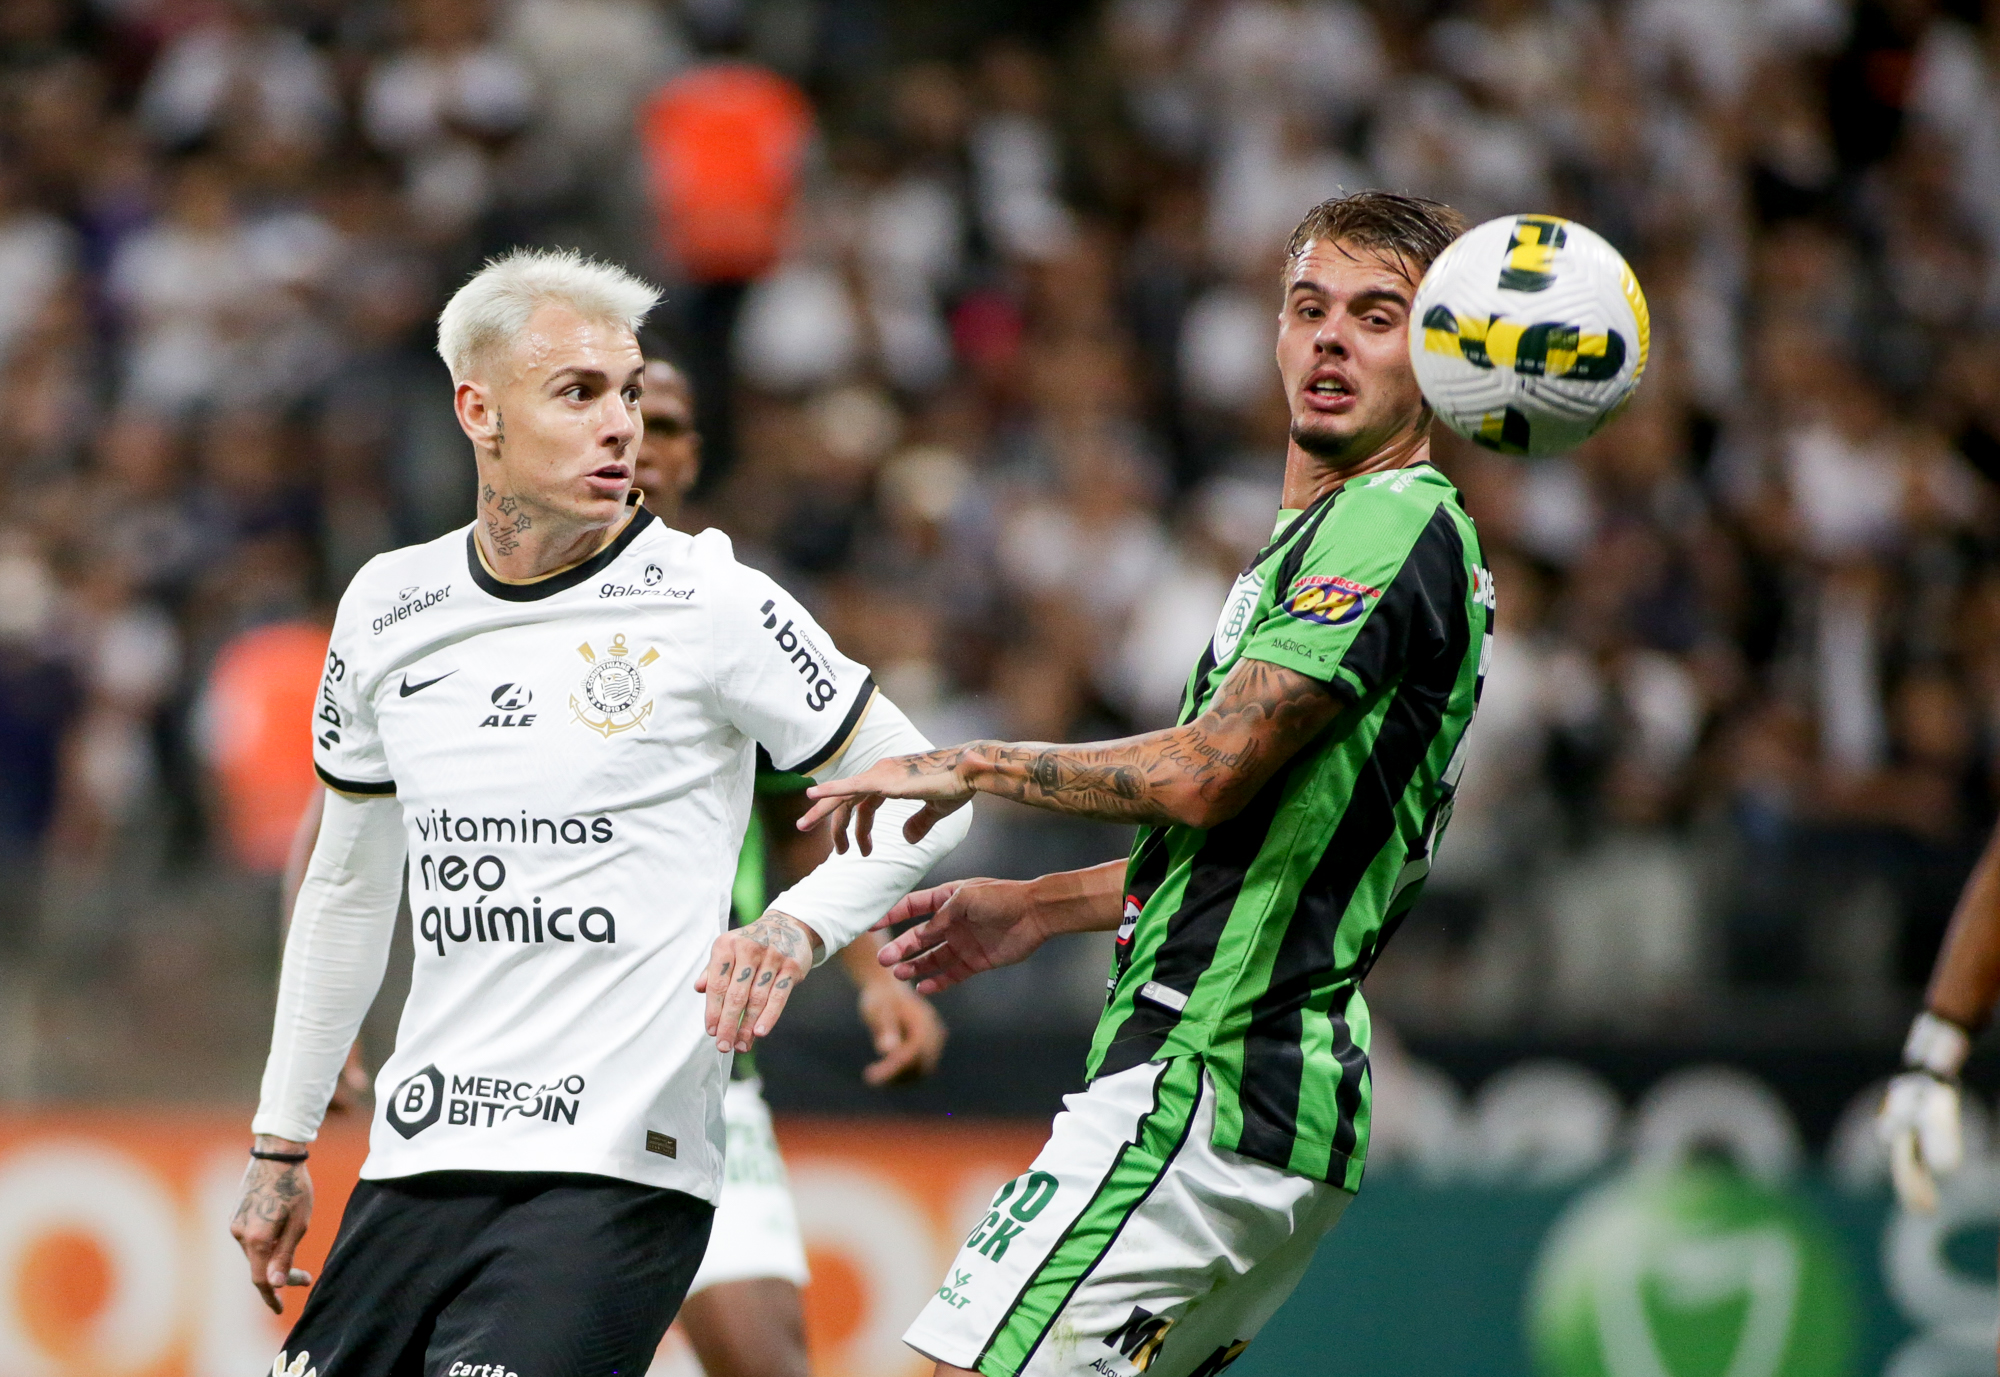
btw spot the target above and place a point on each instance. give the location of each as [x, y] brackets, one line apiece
[504, 1274]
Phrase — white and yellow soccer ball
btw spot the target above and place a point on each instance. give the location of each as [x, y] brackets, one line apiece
[1528, 334]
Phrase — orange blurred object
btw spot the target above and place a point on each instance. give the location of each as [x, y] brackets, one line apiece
[723, 146]
[261, 698]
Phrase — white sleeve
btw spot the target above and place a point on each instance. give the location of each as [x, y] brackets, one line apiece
[347, 747]
[782, 681]
[339, 944]
[847, 892]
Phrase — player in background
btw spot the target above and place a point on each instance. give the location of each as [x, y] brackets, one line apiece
[1285, 828]
[743, 1315]
[1919, 1119]
[553, 713]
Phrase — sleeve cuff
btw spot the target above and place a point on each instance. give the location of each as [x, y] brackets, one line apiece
[360, 788]
[842, 734]
[278, 1126]
[818, 929]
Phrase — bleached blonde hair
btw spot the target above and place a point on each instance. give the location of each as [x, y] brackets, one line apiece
[491, 310]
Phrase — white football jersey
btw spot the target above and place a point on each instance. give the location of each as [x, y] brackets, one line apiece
[574, 760]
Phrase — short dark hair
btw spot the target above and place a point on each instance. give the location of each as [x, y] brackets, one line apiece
[1414, 228]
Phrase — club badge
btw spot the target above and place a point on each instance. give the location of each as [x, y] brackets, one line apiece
[613, 697]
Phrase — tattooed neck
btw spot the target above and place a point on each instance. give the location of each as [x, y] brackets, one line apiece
[504, 520]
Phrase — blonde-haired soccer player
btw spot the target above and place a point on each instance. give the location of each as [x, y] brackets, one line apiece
[553, 714]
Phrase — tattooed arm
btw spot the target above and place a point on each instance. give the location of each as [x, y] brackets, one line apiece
[272, 1217]
[1199, 775]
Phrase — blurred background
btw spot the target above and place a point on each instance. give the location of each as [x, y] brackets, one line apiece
[979, 300]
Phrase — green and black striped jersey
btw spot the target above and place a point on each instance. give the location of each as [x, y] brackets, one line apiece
[1245, 944]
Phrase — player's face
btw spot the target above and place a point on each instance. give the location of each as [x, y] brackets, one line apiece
[565, 417]
[1343, 351]
[669, 456]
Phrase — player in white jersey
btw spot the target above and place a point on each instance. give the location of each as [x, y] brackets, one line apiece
[744, 1315]
[554, 714]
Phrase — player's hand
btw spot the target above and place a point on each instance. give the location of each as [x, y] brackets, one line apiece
[1919, 1120]
[943, 779]
[271, 1219]
[909, 1035]
[751, 973]
[969, 926]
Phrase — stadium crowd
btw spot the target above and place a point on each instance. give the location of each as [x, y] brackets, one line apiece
[982, 326]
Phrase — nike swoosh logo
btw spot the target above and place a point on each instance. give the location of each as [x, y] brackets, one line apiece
[406, 688]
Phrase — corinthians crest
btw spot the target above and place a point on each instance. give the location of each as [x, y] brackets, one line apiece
[613, 698]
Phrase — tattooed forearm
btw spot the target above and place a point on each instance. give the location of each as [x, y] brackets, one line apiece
[1199, 773]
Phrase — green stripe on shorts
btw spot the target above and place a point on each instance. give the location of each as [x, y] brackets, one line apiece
[1135, 1171]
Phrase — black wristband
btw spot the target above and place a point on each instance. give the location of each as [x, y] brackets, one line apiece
[293, 1157]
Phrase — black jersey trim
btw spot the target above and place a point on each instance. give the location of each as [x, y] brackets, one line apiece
[554, 583]
[1194, 930]
[1272, 1083]
[355, 786]
[838, 740]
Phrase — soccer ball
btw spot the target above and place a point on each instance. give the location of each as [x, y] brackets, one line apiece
[1529, 333]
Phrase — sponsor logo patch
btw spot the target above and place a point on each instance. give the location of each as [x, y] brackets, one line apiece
[480, 1101]
[1329, 599]
[417, 1103]
[814, 666]
[409, 602]
[510, 699]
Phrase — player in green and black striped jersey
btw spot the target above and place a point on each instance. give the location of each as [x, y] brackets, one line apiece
[1286, 825]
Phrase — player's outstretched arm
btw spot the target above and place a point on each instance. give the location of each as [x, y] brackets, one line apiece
[1967, 978]
[1919, 1119]
[1200, 774]
[977, 925]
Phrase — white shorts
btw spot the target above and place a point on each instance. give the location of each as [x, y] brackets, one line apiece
[1132, 1244]
[756, 1231]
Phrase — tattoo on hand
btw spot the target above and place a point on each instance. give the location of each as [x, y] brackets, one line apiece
[271, 1190]
[784, 935]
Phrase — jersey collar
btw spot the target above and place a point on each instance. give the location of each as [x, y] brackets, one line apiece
[563, 579]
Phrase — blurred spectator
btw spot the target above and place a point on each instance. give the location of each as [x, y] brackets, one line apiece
[724, 146]
[986, 328]
[264, 683]
[242, 73]
[446, 106]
